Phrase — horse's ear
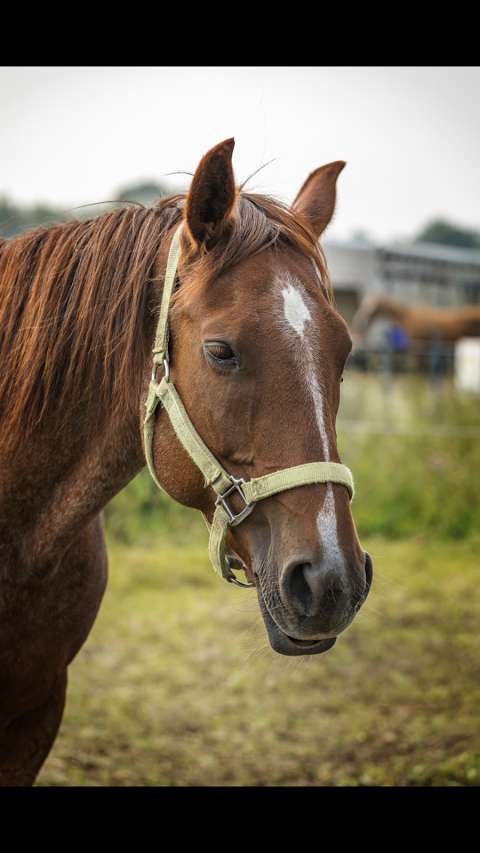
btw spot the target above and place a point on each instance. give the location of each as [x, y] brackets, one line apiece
[316, 199]
[212, 195]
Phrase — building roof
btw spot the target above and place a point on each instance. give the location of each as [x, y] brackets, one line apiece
[436, 251]
[428, 251]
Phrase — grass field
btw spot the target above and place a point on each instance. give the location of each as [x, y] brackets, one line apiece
[178, 686]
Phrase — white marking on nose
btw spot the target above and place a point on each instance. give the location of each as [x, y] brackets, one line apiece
[298, 316]
[332, 554]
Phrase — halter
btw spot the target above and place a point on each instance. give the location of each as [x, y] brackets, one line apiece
[224, 484]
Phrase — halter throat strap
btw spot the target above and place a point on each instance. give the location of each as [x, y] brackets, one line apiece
[224, 484]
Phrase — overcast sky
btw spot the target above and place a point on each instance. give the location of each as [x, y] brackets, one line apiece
[410, 136]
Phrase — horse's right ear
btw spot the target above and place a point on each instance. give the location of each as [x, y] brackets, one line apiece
[212, 196]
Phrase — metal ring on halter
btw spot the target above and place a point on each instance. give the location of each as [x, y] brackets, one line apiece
[233, 561]
[166, 369]
[232, 579]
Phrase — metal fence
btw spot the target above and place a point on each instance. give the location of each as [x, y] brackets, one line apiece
[435, 360]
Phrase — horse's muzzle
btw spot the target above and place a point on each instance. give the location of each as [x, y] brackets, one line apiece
[318, 609]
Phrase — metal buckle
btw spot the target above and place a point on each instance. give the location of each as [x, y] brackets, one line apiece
[166, 370]
[235, 518]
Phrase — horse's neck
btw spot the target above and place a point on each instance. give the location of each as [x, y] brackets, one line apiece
[386, 307]
[53, 489]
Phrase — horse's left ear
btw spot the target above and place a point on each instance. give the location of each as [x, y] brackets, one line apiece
[316, 199]
[212, 195]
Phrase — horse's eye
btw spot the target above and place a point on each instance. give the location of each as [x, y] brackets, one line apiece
[219, 351]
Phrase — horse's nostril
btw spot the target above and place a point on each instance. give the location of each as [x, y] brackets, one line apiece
[300, 592]
[312, 587]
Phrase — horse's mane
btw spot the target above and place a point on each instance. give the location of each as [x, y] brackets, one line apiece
[73, 298]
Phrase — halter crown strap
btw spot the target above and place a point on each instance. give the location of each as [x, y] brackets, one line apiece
[224, 484]
[160, 347]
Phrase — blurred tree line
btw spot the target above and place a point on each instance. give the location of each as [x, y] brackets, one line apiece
[15, 218]
[449, 234]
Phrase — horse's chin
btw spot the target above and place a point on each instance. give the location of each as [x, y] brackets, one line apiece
[284, 644]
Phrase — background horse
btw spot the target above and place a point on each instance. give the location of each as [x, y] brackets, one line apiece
[422, 323]
[258, 353]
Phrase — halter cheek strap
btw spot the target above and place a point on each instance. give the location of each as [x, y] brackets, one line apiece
[225, 485]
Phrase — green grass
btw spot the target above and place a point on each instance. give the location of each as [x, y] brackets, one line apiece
[415, 456]
[177, 684]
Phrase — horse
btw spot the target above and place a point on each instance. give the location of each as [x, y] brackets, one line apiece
[257, 352]
[422, 323]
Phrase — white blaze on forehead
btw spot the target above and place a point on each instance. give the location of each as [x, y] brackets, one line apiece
[295, 310]
[298, 316]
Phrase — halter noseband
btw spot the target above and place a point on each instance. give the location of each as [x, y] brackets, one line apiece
[223, 483]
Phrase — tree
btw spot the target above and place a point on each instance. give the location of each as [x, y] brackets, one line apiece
[449, 234]
[146, 192]
[14, 219]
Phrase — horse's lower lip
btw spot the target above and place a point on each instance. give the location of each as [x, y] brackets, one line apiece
[284, 644]
[327, 642]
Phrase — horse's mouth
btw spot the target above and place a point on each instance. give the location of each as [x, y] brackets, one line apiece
[310, 644]
[284, 644]
[308, 647]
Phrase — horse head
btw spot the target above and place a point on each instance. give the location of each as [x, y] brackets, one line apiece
[257, 353]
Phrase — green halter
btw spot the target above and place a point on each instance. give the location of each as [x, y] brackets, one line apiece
[223, 483]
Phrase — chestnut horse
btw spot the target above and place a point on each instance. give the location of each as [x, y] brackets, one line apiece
[422, 323]
[257, 354]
